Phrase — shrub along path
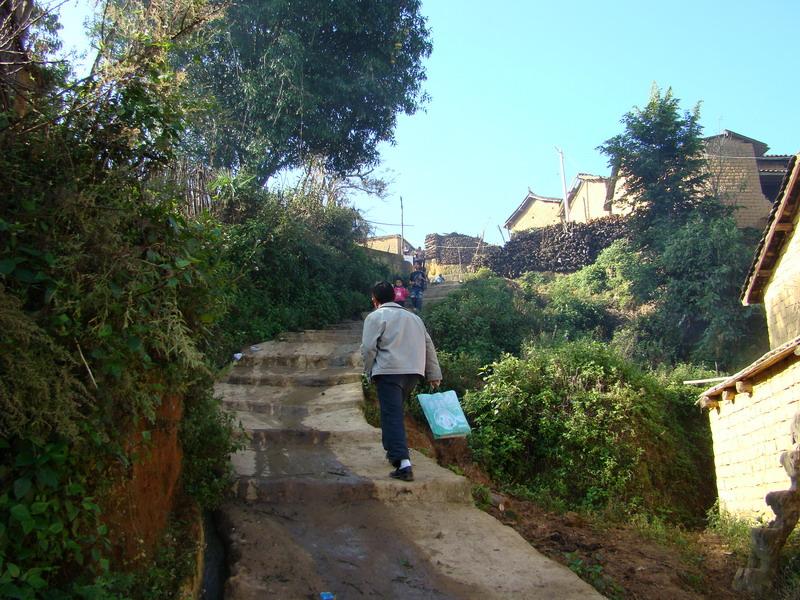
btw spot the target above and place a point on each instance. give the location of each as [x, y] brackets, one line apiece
[315, 509]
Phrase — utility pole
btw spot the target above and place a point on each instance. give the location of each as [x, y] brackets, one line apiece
[564, 186]
[402, 232]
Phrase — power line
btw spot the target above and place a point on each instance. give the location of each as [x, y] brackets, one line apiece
[390, 224]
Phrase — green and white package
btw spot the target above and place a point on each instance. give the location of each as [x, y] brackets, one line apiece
[444, 414]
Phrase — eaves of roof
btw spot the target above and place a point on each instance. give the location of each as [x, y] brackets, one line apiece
[759, 147]
[787, 351]
[778, 231]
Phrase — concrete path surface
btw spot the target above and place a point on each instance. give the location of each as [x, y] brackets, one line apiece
[315, 509]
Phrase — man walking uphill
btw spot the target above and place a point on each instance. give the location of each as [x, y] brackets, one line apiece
[398, 353]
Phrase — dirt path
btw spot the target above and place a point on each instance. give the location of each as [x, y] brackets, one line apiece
[316, 510]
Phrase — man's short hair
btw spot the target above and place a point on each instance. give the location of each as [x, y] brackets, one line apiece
[383, 291]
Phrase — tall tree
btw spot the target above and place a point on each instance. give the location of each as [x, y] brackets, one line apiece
[284, 80]
[688, 237]
[661, 157]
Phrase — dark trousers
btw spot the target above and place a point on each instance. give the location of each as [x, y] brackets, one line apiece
[393, 391]
[416, 301]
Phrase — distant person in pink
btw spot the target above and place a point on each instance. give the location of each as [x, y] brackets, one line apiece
[400, 292]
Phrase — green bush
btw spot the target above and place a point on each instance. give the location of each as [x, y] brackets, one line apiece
[570, 313]
[207, 443]
[624, 277]
[460, 371]
[483, 318]
[51, 536]
[582, 426]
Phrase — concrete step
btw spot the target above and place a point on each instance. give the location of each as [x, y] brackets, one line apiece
[302, 472]
[351, 334]
[315, 508]
[298, 359]
[361, 548]
[304, 354]
[291, 403]
[266, 430]
[251, 374]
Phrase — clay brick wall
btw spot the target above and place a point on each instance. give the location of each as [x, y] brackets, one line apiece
[749, 436]
[782, 295]
[540, 214]
[587, 203]
[388, 243]
[733, 176]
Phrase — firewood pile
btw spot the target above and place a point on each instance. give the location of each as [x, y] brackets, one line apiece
[452, 248]
[554, 249]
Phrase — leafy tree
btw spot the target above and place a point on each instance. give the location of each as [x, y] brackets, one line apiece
[284, 80]
[661, 156]
[696, 256]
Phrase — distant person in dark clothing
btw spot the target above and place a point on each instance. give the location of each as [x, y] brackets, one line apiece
[419, 281]
[398, 353]
[419, 256]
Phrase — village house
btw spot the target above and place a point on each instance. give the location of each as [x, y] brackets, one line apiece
[392, 250]
[740, 174]
[753, 412]
[535, 211]
[588, 199]
[743, 176]
[393, 244]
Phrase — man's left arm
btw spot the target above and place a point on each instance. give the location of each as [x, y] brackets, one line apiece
[373, 328]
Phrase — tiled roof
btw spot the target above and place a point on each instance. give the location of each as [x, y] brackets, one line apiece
[778, 231]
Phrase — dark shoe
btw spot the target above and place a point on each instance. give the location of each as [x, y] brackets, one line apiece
[402, 474]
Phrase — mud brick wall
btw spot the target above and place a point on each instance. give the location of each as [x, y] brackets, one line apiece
[782, 296]
[749, 435]
[733, 177]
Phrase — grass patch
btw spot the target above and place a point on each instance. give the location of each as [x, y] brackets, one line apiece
[592, 572]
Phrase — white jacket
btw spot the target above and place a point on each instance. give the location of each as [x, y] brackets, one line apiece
[395, 342]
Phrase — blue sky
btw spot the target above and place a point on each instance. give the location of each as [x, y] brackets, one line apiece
[510, 80]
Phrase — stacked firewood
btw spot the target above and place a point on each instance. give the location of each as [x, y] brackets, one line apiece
[452, 248]
[555, 248]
